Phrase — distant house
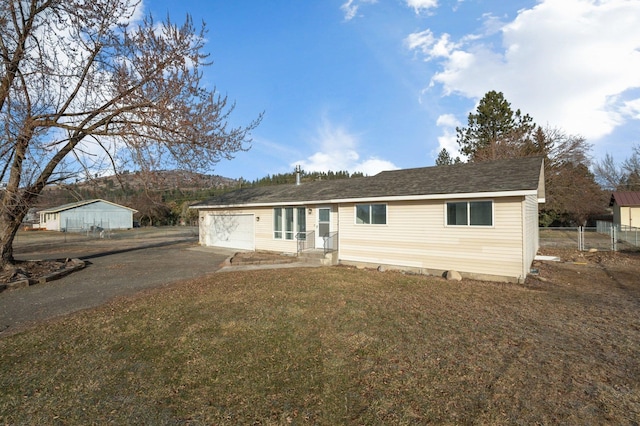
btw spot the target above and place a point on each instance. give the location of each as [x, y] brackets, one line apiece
[480, 219]
[86, 215]
[626, 208]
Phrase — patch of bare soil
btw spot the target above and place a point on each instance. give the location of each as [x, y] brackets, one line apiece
[589, 266]
[610, 258]
[32, 270]
[261, 257]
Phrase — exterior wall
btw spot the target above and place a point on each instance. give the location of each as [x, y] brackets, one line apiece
[264, 238]
[98, 214]
[415, 236]
[50, 221]
[531, 241]
[635, 216]
[626, 215]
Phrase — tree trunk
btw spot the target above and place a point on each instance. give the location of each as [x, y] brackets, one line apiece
[9, 225]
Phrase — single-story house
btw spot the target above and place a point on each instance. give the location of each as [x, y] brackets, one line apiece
[86, 215]
[480, 219]
[626, 208]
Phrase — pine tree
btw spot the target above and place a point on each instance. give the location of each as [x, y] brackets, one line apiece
[494, 130]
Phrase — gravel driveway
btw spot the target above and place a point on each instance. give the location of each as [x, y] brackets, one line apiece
[117, 267]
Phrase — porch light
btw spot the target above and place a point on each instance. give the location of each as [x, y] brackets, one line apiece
[257, 218]
[310, 211]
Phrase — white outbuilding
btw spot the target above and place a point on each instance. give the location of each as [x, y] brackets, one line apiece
[87, 215]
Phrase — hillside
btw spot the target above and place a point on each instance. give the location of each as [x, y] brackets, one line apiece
[160, 197]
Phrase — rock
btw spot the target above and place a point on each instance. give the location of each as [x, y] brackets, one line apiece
[382, 268]
[453, 276]
[593, 250]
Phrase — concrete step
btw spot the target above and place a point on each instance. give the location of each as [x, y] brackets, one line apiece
[317, 257]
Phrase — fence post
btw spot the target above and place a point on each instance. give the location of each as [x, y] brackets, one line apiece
[580, 236]
[614, 239]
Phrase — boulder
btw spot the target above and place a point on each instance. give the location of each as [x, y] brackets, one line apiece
[453, 276]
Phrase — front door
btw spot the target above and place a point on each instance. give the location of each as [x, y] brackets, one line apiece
[323, 225]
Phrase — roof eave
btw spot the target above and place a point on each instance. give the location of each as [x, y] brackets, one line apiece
[465, 195]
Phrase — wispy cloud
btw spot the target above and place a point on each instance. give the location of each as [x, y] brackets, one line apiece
[422, 5]
[568, 63]
[338, 150]
[350, 7]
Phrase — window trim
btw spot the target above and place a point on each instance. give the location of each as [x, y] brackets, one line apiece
[386, 214]
[468, 204]
[284, 233]
[278, 229]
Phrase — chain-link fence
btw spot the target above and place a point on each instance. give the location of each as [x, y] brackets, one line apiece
[623, 233]
[38, 237]
[603, 237]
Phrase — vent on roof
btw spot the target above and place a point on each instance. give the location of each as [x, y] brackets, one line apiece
[298, 170]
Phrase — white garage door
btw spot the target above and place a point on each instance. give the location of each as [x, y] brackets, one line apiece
[231, 231]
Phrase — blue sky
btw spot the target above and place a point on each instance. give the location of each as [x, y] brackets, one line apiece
[371, 85]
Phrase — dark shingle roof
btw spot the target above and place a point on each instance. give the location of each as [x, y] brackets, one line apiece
[626, 198]
[520, 174]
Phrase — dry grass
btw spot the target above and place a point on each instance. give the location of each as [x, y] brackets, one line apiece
[339, 346]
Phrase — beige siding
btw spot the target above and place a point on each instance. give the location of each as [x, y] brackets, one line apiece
[264, 239]
[531, 232]
[416, 236]
[627, 216]
[635, 217]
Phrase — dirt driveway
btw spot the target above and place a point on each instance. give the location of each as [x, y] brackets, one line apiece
[127, 263]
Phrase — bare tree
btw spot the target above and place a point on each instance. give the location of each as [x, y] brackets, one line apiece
[572, 194]
[83, 87]
[608, 174]
[623, 177]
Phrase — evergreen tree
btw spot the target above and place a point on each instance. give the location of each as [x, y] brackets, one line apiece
[444, 158]
[494, 129]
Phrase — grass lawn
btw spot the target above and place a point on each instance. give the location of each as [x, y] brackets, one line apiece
[338, 346]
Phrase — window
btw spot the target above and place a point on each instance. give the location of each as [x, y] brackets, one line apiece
[375, 214]
[470, 213]
[288, 220]
[301, 224]
[285, 221]
[277, 223]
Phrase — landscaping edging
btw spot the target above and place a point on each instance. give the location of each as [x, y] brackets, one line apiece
[260, 258]
[71, 265]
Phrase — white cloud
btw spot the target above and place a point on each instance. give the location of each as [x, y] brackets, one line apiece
[350, 7]
[420, 5]
[448, 123]
[448, 120]
[632, 109]
[338, 151]
[430, 46]
[567, 63]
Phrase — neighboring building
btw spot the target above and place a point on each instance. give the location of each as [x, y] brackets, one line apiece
[87, 215]
[626, 208]
[480, 219]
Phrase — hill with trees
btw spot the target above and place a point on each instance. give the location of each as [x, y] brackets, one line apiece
[164, 197]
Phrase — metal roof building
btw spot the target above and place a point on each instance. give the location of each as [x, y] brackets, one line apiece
[86, 215]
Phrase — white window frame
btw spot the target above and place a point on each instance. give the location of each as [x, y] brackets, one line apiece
[386, 214]
[468, 203]
[285, 233]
